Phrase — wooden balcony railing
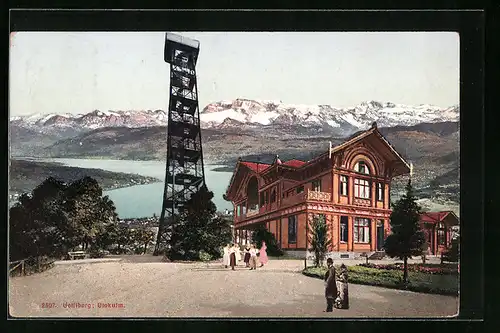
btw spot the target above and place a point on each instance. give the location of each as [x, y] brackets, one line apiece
[362, 202]
[252, 212]
[319, 196]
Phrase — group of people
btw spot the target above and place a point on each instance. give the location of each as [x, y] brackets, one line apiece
[336, 287]
[252, 256]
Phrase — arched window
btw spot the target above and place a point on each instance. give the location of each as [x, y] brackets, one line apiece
[362, 167]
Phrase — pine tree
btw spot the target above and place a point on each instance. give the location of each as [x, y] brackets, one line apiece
[198, 228]
[406, 239]
[318, 238]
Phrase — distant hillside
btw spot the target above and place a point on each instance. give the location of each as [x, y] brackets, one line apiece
[24, 176]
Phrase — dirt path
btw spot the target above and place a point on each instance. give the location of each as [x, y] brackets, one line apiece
[138, 288]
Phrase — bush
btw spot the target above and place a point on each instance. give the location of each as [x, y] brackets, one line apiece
[97, 254]
[204, 256]
[453, 254]
[423, 268]
[261, 234]
[391, 278]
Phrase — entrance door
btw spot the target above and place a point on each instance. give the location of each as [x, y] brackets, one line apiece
[380, 235]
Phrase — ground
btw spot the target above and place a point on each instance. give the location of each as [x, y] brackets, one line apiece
[142, 286]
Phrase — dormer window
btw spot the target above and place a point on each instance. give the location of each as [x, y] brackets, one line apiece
[361, 167]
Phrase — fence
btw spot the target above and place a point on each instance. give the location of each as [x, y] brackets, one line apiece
[30, 265]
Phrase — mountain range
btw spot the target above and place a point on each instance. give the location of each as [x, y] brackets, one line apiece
[424, 134]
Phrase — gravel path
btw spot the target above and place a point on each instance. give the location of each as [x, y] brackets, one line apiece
[139, 287]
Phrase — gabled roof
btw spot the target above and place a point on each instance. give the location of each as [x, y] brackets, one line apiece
[436, 217]
[294, 163]
[257, 167]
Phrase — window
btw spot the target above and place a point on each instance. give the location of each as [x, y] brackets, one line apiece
[343, 229]
[262, 199]
[300, 189]
[441, 234]
[361, 230]
[362, 188]
[266, 197]
[380, 192]
[273, 196]
[343, 185]
[316, 185]
[361, 167]
[238, 210]
[292, 229]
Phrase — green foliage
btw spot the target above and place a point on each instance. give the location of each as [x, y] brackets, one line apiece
[56, 217]
[318, 239]
[261, 234]
[141, 237]
[406, 239]
[198, 228]
[420, 282]
[205, 257]
[453, 253]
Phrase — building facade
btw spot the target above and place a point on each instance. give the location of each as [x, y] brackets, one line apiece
[439, 229]
[349, 185]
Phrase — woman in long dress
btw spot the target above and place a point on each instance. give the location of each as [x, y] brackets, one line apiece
[246, 258]
[232, 256]
[342, 301]
[237, 252]
[263, 254]
[225, 256]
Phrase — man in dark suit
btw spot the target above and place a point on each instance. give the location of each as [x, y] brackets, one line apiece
[330, 285]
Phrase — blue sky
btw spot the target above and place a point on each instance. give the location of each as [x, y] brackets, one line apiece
[80, 72]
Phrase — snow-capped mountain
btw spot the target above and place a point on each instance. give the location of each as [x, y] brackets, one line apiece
[93, 120]
[253, 113]
[358, 117]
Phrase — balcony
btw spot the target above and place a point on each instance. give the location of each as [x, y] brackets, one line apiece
[319, 196]
[362, 202]
[285, 202]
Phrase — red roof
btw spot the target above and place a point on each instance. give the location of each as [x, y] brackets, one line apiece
[257, 167]
[294, 163]
[433, 217]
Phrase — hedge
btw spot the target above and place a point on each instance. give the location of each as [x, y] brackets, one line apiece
[389, 278]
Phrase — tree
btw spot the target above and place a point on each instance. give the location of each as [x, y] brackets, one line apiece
[262, 234]
[36, 222]
[318, 238]
[55, 217]
[143, 236]
[89, 211]
[406, 239]
[453, 253]
[198, 228]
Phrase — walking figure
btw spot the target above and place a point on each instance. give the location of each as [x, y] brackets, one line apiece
[330, 285]
[263, 254]
[342, 301]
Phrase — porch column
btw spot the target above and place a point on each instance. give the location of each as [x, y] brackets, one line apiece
[374, 192]
[350, 229]
[434, 239]
[373, 234]
[350, 190]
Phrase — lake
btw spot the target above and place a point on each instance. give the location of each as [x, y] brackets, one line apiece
[144, 200]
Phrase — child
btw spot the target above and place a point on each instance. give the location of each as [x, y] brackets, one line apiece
[330, 285]
[342, 301]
